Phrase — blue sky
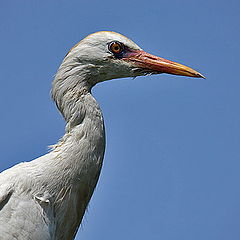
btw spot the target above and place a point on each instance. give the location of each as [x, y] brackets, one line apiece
[171, 169]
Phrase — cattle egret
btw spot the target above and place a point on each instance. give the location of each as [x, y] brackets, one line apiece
[45, 199]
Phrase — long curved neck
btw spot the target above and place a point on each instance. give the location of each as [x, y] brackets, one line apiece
[78, 156]
[71, 90]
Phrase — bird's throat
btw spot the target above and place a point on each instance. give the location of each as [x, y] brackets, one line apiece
[84, 121]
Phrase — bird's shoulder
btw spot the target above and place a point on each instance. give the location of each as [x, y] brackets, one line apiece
[21, 177]
[21, 207]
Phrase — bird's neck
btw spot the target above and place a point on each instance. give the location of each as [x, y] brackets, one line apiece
[71, 90]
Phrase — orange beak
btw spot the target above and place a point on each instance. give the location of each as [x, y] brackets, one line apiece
[150, 63]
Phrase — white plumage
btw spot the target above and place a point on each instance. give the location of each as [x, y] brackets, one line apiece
[45, 199]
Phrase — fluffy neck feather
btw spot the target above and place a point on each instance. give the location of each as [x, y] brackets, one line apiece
[84, 139]
[79, 154]
[73, 82]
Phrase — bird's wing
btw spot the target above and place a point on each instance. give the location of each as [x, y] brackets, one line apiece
[22, 216]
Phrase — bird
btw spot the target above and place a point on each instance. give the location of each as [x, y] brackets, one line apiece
[46, 198]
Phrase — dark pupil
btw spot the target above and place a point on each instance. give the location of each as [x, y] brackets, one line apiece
[117, 48]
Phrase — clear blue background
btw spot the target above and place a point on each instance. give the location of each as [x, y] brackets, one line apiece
[171, 169]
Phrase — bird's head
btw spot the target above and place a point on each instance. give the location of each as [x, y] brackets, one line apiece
[103, 56]
[107, 55]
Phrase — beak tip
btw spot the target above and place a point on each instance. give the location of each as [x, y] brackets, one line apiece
[199, 75]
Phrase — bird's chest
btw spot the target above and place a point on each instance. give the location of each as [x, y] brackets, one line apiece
[70, 209]
[80, 175]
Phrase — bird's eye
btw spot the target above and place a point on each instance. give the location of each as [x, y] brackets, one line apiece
[116, 47]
